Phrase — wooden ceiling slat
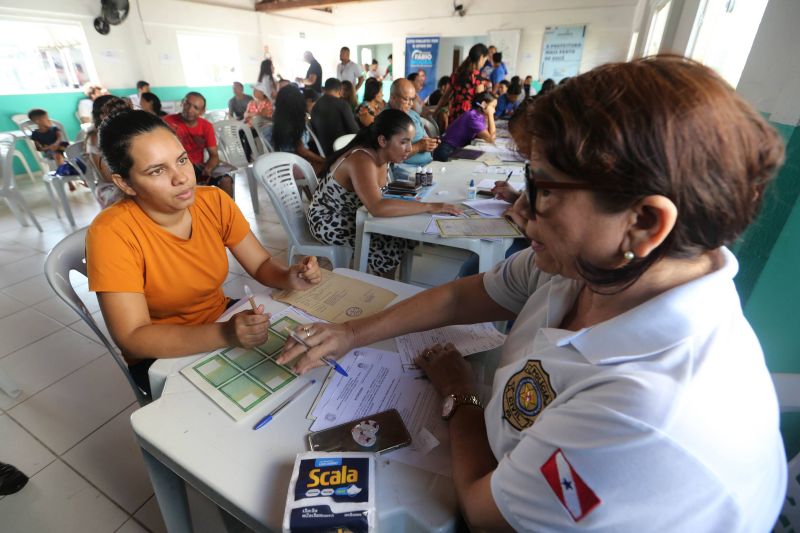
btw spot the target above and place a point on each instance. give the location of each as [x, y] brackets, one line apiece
[279, 5]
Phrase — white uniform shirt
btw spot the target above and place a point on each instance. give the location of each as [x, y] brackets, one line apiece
[348, 72]
[661, 419]
[136, 100]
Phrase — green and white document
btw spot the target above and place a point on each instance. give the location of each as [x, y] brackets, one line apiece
[238, 379]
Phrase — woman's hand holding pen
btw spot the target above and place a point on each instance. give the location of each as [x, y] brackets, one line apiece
[304, 274]
[322, 340]
[504, 191]
[247, 328]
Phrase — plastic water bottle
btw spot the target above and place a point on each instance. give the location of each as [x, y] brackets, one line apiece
[472, 190]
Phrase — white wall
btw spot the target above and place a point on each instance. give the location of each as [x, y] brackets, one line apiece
[444, 65]
[610, 24]
[771, 77]
[124, 56]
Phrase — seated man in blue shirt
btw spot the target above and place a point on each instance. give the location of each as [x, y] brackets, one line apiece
[401, 97]
[509, 101]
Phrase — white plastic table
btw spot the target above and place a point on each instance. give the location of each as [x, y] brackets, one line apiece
[186, 438]
[450, 186]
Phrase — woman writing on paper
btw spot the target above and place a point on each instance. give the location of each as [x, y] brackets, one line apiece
[620, 384]
[158, 258]
[355, 176]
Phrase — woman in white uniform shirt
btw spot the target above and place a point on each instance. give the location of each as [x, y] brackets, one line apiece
[631, 394]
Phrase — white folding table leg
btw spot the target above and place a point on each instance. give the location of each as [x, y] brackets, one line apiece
[170, 491]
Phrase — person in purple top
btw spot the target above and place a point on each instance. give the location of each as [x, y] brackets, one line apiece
[477, 122]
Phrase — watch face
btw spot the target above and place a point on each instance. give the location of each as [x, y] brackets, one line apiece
[447, 406]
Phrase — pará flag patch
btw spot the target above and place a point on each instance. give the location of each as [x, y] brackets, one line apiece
[570, 489]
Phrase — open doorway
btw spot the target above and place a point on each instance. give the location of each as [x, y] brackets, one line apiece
[453, 50]
[367, 53]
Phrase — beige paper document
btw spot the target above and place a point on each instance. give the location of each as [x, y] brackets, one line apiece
[338, 298]
[477, 227]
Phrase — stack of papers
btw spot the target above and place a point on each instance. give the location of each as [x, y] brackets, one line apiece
[489, 208]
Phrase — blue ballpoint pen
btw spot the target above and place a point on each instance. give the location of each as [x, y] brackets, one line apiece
[327, 360]
[264, 421]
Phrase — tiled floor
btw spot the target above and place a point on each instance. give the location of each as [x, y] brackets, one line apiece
[69, 428]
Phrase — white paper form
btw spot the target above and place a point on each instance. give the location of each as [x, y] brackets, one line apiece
[377, 383]
[489, 208]
[468, 340]
[488, 184]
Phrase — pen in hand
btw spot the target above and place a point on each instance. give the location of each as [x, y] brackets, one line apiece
[249, 295]
[327, 360]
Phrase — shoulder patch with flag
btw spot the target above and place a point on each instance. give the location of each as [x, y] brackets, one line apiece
[573, 493]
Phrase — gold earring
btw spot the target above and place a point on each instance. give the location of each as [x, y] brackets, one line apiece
[628, 256]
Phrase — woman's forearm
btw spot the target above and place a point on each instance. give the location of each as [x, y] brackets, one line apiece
[160, 341]
[464, 301]
[399, 208]
[273, 273]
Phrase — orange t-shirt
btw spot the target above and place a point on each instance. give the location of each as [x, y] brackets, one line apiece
[181, 278]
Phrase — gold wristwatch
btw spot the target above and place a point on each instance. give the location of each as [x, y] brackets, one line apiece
[451, 403]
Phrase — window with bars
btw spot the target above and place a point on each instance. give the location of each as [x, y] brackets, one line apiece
[42, 56]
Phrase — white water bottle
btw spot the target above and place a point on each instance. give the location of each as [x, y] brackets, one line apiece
[472, 190]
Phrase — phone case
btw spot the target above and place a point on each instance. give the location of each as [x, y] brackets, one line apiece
[379, 433]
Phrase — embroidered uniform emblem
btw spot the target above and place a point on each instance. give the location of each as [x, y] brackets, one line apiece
[525, 395]
[570, 488]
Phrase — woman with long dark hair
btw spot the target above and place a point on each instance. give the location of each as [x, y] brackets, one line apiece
[355, 176]
[266, 77]
[289, 132]
[465, 83]
[478, 122]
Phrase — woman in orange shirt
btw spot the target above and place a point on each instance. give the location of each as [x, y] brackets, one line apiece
[157, 259]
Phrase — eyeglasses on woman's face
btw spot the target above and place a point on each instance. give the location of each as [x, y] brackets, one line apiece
[533, 185]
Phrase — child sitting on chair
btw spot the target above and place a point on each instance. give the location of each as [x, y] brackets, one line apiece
[48, 138]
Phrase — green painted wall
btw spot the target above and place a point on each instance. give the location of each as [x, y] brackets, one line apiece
[62, 107]
[769, 278]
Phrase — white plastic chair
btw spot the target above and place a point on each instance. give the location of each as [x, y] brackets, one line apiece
[276, 173]
[9, 191]
[431, 129]
[27, 127]
[58, 182]
[788, 388]
[216, 115]
[342, 141]
[263, 125]
[314, 138]
[68, 255]
[231, 143]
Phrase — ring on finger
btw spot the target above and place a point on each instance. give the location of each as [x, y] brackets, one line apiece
[309, 332]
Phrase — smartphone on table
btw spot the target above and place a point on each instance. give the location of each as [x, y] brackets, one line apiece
[379, 433]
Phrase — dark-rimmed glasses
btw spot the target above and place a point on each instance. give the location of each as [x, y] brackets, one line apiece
[533, 187]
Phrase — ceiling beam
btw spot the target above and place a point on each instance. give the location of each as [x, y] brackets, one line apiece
[279, 5]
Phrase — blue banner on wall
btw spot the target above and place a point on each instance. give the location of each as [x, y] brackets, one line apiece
[421, 54]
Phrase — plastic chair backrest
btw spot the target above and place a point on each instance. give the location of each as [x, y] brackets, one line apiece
[262, 125]
[342, 141]
[314, 138]
[7, 148]
[228, 136]
[77, 151]
[431, 129]
[215, 115]
[276, 173]
[68, 255]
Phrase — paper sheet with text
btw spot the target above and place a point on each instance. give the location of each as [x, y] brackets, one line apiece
[467, 339]
[377, 382]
